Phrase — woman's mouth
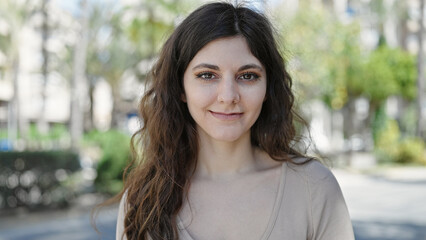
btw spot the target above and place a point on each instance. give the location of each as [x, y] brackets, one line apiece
[227, 116]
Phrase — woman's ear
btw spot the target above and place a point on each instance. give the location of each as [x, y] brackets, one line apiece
[183, 97]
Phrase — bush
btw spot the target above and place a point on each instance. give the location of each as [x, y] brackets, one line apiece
[411, 150]
[391, 148]
[115, 148]
[386, 141]
[34, 179]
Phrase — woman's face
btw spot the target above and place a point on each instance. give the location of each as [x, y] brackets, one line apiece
[225, 86]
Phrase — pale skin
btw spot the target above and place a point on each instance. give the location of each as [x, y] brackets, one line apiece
[234, 186]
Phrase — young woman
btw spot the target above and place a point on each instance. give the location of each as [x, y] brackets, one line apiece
[216, 148]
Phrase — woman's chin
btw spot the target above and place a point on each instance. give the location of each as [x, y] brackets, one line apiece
[227, 137]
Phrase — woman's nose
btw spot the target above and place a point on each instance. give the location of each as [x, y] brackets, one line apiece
[228, 90]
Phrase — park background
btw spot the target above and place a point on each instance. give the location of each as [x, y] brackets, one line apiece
[72, 72]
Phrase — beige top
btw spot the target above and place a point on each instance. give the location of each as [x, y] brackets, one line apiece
[309, 205]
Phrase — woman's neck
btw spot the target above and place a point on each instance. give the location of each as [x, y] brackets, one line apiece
[218, 159]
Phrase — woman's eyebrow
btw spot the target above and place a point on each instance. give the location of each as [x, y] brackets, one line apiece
[214, 67]
[250, 66]
[206, 65]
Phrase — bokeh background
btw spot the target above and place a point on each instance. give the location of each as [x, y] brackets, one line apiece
[72, 72]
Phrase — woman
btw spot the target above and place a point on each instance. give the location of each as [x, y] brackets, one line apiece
[217, 158]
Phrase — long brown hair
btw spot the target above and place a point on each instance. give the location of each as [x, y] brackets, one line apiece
[167, 142]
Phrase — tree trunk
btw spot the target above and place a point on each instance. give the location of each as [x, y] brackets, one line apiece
[14, 113]
[420, 72]
[89, 118]
[79, 82]
[42, 124]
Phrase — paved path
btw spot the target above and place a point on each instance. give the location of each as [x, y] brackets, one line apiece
[388, 207]
[62, 226]
[382, 208]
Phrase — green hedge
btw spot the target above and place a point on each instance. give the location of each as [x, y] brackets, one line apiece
[115, 155]
[391, 147]
[34, 179]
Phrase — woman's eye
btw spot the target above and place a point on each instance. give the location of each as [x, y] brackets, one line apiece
[206, 75]
[249, 76]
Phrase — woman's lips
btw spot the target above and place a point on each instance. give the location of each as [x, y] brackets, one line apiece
[227, 116]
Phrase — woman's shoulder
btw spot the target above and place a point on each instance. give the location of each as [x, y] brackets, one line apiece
[327, 208]
[310, 169]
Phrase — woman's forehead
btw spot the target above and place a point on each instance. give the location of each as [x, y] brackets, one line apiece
[225, 51]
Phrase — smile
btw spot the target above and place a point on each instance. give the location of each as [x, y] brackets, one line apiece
[226, 116]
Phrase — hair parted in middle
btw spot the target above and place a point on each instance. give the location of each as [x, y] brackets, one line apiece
[168, 142]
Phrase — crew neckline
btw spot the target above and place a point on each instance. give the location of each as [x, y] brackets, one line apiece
[272, 218]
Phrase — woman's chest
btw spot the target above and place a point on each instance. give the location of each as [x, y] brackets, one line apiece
[232, 210]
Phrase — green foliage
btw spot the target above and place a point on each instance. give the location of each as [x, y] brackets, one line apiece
[57, 137]
[56, 132]
[408, 119]
[147, 29]
[387, 140]
[326, 55]
[115, 147]
[387, 72]
[3, 134]
[404, 69]
[411, 150]
[391, 148]
[329, 64]
[380, 123]
[377, 79]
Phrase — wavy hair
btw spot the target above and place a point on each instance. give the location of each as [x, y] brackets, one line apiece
[167, 142]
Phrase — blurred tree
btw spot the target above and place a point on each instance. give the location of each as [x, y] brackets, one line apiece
[45, 29]
[398, 10]
[110, 53]
[386, 72]
[330, 65]
[147, 23]
[328, 59]
[78, 80]
[382, 12]
[420, 71]
[127, 40]
[14, 16]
